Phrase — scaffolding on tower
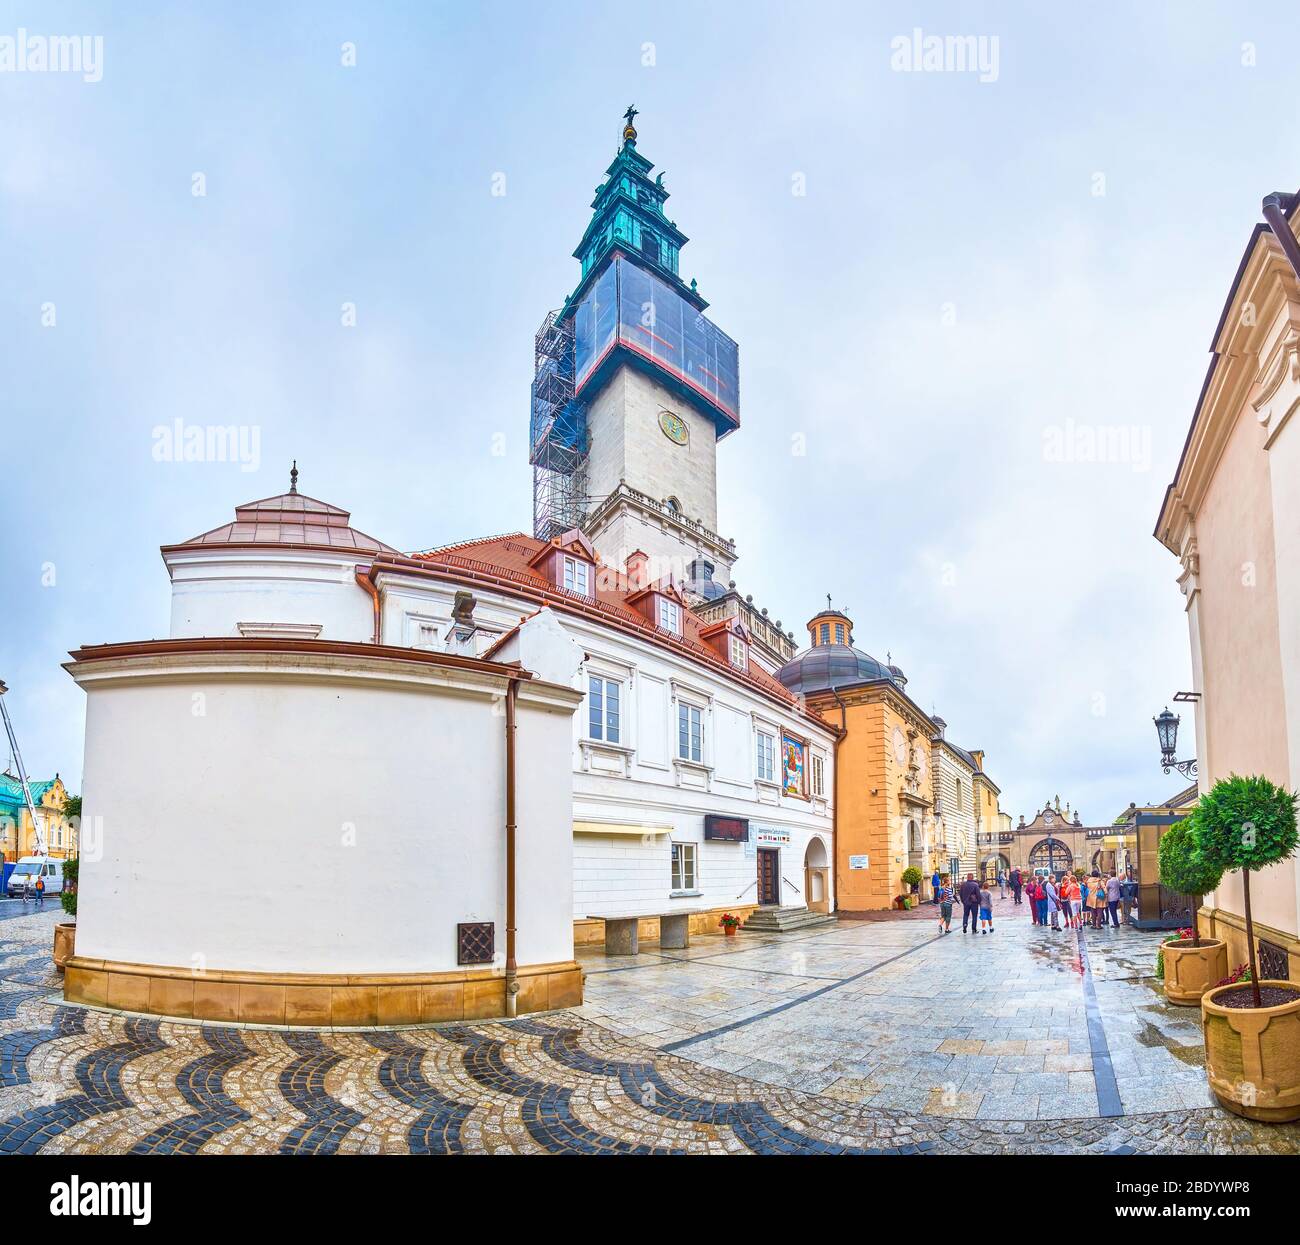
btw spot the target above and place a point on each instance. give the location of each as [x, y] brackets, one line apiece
[558, 432]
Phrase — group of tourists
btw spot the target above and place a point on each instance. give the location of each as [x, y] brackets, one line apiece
[1089, 900]
[1068, 902]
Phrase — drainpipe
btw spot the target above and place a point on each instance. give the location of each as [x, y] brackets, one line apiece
[363, 578]
[1275, 206]
[512, 969]
[835, 789]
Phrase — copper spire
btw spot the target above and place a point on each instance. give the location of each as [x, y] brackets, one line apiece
[293, 477]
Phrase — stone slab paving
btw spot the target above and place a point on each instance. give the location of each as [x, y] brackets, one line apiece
[857, 1038]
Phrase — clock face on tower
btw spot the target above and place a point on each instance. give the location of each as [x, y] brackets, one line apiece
[674, 427]
[900, 747]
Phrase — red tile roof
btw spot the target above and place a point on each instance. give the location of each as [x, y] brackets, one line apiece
[508, 558]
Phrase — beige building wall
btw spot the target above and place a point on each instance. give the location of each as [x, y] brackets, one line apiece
[1232, 517]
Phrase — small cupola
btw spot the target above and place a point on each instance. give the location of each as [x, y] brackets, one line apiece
[830, 626]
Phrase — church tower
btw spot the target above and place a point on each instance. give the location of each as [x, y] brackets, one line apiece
[633, 388]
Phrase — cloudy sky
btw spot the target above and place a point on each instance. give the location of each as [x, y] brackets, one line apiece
[945, 290]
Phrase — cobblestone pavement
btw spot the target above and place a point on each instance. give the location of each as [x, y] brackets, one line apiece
[911, 1009]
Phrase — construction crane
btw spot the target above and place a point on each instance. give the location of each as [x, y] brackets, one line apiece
[22, 774]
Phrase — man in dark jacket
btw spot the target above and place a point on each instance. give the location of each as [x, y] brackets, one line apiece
[970, 904]
[1016, 883]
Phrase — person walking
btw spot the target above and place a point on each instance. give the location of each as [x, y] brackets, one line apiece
[1031, 893]
[1017, 883]
[1114, 893]
[1002, 883]
[986, 911]
[40, 892]
[936, 884]
[1053, 902]
[970, 903]
[944, 897]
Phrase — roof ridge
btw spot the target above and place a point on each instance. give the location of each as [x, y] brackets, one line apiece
[465, 544]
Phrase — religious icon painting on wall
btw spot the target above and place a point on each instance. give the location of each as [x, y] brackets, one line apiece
[792, 750]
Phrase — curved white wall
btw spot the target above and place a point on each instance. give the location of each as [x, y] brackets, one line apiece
[316, 814]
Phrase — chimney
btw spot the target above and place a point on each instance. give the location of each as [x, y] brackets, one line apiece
[637, 566]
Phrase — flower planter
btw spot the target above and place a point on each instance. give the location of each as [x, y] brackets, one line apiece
[1190, 970]
[729, 931]
[1252, 1056]
[65, 943]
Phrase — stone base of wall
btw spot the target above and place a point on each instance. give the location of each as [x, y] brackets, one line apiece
[337, 1001]
[591, 932]
[1231, 928]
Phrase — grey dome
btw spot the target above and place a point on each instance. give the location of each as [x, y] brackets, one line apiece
[700, 581]
[834, 665]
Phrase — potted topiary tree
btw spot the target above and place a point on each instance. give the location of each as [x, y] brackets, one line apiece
[912, 880]
[1192, 965]
[1252, 1030]
[65, 933]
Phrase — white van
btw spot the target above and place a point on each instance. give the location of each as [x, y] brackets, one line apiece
[28, 869]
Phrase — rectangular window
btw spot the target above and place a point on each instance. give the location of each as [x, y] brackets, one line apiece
[577, 576]
[738, 653]
[818, 775]
[603, 699]
[766, 757]
[670, 616]
[826, 633]
[690, 733]
[684, 877]
[839, 633]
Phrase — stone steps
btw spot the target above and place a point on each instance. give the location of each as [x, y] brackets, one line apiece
[784, 920]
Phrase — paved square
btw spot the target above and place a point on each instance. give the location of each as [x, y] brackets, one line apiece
[861, 1037]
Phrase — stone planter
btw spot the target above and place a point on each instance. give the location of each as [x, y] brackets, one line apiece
[1190, 970]
[1252, 1057]
[65, 943]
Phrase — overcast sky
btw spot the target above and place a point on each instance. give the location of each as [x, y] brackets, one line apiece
[978, 279]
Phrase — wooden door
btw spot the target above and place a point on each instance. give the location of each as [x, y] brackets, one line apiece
[769, 876]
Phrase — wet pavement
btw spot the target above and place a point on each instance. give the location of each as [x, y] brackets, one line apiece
[862, 1037]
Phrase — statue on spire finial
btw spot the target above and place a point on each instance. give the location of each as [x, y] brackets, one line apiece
[629, 130]
[293, 477]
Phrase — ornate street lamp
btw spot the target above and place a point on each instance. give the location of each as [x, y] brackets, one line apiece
[1167, 732]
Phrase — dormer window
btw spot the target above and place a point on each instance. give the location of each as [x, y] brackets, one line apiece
[739, 653]
[577, 576]
[670, 616]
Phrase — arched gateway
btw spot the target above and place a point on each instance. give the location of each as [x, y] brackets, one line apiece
[1050, 854]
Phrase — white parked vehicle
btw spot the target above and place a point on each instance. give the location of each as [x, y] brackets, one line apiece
[28, 869]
